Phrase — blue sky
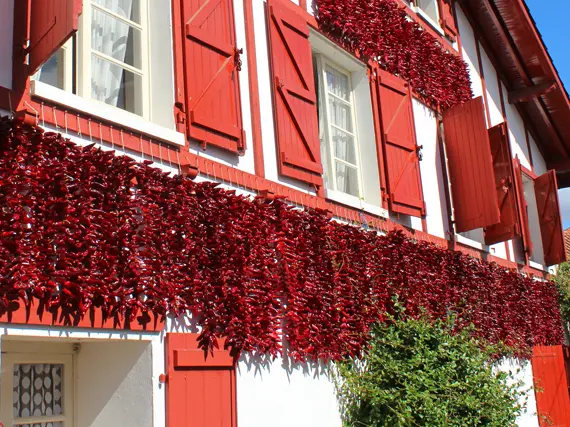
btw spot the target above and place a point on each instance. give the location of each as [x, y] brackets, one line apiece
[553, 24]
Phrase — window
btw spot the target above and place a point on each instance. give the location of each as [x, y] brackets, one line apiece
[37, 388]
[112, 57]
[115, 66]
[339, 144]
[537, 255]
[429, 8]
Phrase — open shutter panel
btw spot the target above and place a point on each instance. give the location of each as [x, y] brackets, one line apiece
[403, 180]
[294, 96]
[200, 391]
[522, 207]
[551, 386]
[470, 167]
[509, 227]
[211, 63]
[52, 23]
[447, 18]
[546, 191]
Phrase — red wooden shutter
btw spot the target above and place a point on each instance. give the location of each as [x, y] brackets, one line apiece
[212, 81]
[403, 180]
[546, 191]
[523, 207]
[551, 386]
[505, 188]
[294, 96]
[470, 165]
[200, 391]
[52, 23]
[447, 18]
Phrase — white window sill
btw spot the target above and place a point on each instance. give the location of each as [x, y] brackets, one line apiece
[536, 265]
[355, 202]
[435, 26]
[106, 113]
[472, 243]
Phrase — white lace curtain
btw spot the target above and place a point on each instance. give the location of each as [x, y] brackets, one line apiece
[109, 36]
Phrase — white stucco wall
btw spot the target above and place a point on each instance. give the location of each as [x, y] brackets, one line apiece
[114, 382]
[522, 374]
[278, 394]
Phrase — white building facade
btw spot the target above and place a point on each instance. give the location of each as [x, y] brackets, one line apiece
[193, 85]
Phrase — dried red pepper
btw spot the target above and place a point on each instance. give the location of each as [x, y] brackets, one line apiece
[83, 229]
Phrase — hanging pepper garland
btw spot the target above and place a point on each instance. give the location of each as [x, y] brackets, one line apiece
[81, 229]
[382, 31]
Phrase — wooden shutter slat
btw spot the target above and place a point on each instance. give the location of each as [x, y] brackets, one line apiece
[546, 193]
[200, 392]
[551, 386]
[508, 227]
[198, 358]
[522, 208]
[399, 147]
[470, 165]
[52, 23]
[212, 80]
[294, 95]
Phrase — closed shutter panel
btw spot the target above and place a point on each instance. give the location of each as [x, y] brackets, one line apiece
[551, 387]
[470, 167]
[200, 392]
[505, 188]
[447, 18]
[546, 191]
[403, 180]
[52, 23]
[211, 75]
[523, 209]
[295, 109]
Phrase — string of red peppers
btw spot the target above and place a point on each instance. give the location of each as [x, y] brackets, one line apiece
[83, 229]
[381, 30]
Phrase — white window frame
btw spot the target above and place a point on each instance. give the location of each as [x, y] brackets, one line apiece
[326, 126]
[6, 406]
[430, 20]
[85, 51]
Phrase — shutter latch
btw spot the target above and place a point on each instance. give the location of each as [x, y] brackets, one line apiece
[419, 152]
[179, 112]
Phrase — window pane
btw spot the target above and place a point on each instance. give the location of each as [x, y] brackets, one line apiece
[128, 9]
[116, 39]
[430, 8]
[344, 147]
[347, 179]
[341, 114]
[38, 390]
[337, 83]
[51, 72]
[115, 86]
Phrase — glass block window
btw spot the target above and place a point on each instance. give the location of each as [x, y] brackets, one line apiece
[38, 395]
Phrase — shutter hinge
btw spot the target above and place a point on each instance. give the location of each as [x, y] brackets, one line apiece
[419, 152]
[163, 378]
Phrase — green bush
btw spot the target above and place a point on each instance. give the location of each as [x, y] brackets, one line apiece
[417, 373]
[562, 280]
